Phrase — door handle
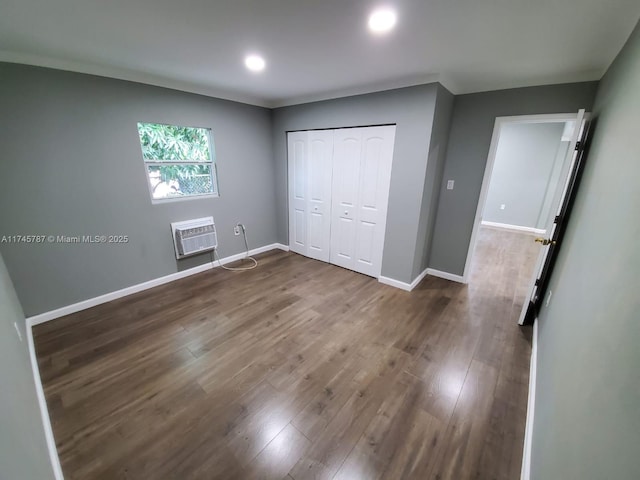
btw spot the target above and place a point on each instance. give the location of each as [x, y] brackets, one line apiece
[545, 241]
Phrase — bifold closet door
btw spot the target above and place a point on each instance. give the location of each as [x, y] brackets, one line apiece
[310, 167]
[362, 160]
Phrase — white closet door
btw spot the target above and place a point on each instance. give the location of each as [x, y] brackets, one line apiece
[298, 177]
[361, 177]
[373, 198]
[319, 193]
[347, 152]
[338, 195]
[310, 168]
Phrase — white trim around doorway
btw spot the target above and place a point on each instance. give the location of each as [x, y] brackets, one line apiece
[486, 180]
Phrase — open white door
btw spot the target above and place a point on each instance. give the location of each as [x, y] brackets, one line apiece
[546, 244]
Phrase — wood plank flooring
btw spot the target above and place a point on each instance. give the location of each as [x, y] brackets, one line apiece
[296, 370]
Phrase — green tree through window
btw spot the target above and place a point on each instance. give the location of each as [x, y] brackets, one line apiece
[179, 160]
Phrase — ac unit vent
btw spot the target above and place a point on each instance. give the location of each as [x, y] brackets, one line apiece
[194, 236]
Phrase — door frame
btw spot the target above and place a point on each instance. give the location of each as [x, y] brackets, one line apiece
[488, 171]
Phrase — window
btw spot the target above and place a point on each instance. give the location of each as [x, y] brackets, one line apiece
[179, 161]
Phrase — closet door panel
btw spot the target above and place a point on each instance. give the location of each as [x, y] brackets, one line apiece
[298, 178]
[319, 202]
[338, 194]
[299, 229]
[366, 237]
[344, 245]
[373, 198]
[345, 185]
[371, 166]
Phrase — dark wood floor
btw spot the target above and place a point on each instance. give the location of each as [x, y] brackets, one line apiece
[294, 370]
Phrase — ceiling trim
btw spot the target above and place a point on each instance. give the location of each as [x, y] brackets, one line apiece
[213, 92]
[129, 75]
[160, 81]
[360, 90]
[576, 77]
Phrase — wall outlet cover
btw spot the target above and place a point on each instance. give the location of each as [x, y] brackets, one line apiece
[236, 230]
[450, 184]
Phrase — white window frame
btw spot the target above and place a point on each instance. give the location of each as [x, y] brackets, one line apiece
[211, 163]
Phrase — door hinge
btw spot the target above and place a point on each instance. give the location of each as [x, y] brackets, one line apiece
[557, 219]
[578, 146]
[537, 284]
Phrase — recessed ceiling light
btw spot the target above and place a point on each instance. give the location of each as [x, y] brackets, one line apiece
[382, 20]
[255, 63]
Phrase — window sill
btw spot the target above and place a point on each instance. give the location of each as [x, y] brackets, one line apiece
[158, 201]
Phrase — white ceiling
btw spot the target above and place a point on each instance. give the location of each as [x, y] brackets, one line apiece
[318, 49]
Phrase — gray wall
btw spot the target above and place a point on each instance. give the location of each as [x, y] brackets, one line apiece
[587, 416]
[522, 173]
[469, 139]
[23, 448]
[412, 110]
[72, 165]
[433, 178]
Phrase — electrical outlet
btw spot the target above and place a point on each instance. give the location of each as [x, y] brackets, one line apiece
[236, 230]
[546, 304]
[15, 324]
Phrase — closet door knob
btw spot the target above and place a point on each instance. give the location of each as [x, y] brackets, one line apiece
[346, 212]
[315, 208]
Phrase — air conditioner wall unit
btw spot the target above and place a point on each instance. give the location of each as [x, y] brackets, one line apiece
[195, 236]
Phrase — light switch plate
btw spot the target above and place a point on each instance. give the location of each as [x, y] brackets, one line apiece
[449, 184]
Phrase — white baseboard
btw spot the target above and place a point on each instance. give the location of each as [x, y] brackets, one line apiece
[44, 412]
[107, 297]
[255, 251]
[429, 271]
[531, 403]
[419, 278]
[515, 228]
[403, 285]
[395, 283]
[280, 246]
[445, 275]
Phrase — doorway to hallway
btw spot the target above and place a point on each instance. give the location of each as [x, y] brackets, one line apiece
[531, 162]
